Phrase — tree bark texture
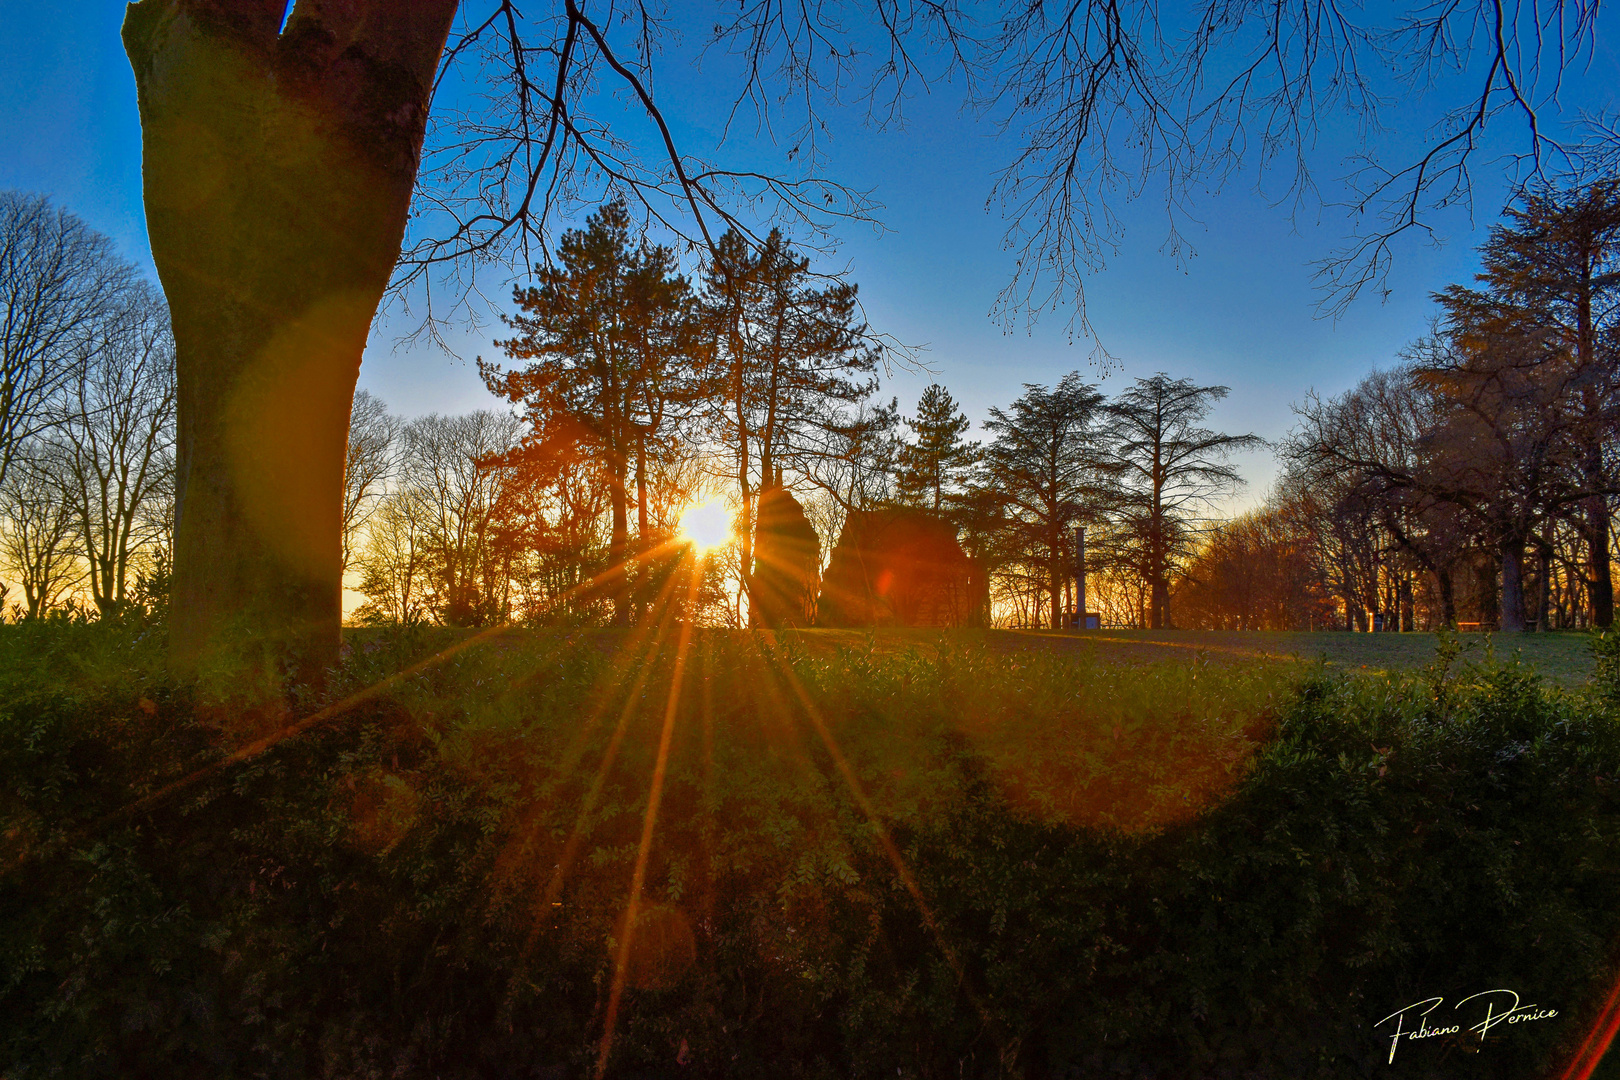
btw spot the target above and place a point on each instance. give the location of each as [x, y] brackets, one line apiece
[1592, 463]
[1055, 575]
[278, 170]
[1543, 585]
[1448, 598]
[619, 542]
[1512, 552]
[1596, 535]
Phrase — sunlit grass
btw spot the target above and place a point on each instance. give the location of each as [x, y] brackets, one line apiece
[651, 810]
[740, 759]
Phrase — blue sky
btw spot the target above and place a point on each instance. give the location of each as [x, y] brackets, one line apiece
[1241, 311]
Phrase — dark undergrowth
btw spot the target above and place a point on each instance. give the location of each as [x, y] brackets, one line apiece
[935, 863]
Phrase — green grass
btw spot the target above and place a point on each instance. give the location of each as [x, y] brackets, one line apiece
[1563, 658]
[908, 854]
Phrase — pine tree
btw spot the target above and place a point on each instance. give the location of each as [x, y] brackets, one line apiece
[1172, 468]
[784, 354]
[605, 334]
[1047, 469]
[935, 463]
[1554, 264]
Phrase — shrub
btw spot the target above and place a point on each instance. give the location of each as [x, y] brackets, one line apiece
[935, 861]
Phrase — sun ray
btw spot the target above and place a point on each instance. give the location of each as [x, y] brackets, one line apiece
[640, 635]
[649, 823]
[553, 890]
[885, 840]
[605, 577]
[1598, 1039]
[570, 848]
[321, 716]
[706, 832]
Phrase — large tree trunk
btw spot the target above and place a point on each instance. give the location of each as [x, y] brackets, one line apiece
[278, 169]
[619, 542]
[643, 544]
[1487, 575]
[1055, 576]
[1448, 599]
[1512, 553]
[1596, 534]
[1358, 614]
[1543, 585]
[641, 492]
[1596, 509]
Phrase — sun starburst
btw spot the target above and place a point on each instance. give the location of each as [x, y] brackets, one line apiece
[706, 525]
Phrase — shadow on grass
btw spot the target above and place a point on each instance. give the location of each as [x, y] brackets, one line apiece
[930, 860]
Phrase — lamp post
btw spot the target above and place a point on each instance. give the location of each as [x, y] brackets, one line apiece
[1080, 576]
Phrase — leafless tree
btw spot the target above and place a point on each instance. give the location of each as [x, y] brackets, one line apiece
[371, 462]
[1100, 103]
[117, 437]
[452, 491]
[37, 529]
[58, 279]
[394, 563]
[1370, 452]
[1341, 535]
[429, 542]
[311, 123]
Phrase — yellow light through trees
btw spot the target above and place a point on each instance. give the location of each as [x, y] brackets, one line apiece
[706, 525]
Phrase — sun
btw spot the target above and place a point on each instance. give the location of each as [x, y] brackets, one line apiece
[706, 525]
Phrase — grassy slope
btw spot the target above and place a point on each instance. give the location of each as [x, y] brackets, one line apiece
[1245, 892]
[1564, 659]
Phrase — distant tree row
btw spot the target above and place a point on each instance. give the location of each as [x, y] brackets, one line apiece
[1473, 482]
[455, 520]
[637, 390]
[87, 407]
[1139, 472]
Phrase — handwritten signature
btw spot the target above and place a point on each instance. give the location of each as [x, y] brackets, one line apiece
[1514, 1014]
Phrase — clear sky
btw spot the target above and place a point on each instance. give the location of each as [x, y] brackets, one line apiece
[1241, 311]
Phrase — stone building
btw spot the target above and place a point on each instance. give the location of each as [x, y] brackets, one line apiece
[787, 563]
[900, 567]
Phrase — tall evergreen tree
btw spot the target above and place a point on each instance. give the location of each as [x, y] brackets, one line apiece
[604, 331]
[1047, 467]
[784, 354]
[936, 462]
[1171, 467]
[1556, 264]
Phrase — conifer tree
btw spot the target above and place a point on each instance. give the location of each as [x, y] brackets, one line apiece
[934, 464]
[1555, 266]
[1046, 471]
[785, 352]
[604, 333]
[1171, 468]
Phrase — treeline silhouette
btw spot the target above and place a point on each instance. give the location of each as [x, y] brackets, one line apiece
[1471, 483]
[87, 405]
[637, 392]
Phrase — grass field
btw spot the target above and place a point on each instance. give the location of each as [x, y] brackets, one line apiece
[835, 855]
[1564, 659]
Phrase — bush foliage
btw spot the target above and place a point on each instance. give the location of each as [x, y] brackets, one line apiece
[943, 861]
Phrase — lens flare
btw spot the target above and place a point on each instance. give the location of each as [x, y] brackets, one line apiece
[706, 525]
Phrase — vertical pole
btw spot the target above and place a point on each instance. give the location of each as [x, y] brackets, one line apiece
[1080, 575]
